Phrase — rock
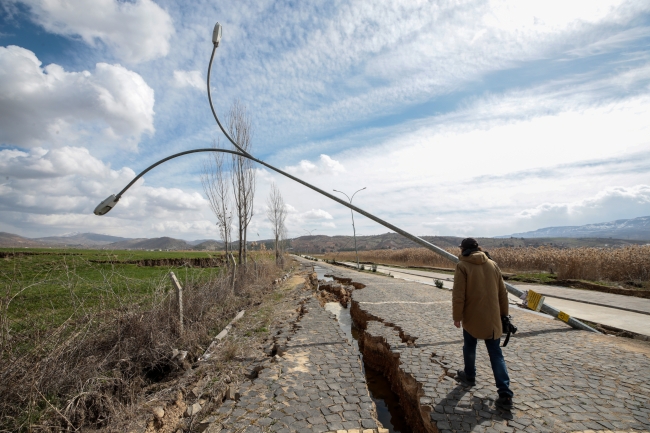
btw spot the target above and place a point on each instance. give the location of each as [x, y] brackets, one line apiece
[230, 394]
[179, 399]
[193, 409]
[158, 412]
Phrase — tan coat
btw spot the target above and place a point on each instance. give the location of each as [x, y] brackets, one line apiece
[479, 298]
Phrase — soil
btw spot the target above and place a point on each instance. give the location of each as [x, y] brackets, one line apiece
[209, 383]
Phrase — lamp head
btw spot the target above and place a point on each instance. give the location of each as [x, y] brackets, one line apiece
[216, 34]
[105, 206]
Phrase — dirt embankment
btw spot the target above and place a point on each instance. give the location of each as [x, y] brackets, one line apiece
[605, 289]
[12, 254]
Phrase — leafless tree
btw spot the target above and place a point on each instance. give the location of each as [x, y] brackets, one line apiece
[243, 173]
[276, 212]
[216, 185]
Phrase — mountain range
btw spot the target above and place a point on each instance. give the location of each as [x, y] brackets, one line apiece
[633, 229]
[95, 241]
[613, 233]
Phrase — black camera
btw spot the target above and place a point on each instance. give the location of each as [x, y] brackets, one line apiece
[507, 328]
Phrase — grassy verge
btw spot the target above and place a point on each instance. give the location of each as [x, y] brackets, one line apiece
[80, 339]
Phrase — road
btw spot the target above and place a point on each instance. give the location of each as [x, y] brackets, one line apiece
[622, 312]
[564, 380]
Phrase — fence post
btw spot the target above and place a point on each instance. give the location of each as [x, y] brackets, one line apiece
[234, 273]
[179, 297]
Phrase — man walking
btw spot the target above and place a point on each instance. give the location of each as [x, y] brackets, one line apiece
[479, 300]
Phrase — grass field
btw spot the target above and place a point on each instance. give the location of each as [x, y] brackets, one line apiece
[83, 333]
[41, 288]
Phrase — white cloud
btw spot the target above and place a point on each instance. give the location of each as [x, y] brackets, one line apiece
[189, 78]
[49, 105]
[610, 204]
[59, 188]
[474, 170]
[324, 166]
[136, 31]
[390, 55]
[316, 214]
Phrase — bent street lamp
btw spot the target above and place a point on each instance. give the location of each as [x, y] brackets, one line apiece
[109, 203]
[354, 230]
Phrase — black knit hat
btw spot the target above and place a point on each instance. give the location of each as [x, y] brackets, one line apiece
[469, 244]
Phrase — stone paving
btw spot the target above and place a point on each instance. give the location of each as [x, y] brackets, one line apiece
[564, 380]
[611, 300]
[621, 312]
[315, 383]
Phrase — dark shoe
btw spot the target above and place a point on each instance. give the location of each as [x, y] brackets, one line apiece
[504, 402]
[462, 377]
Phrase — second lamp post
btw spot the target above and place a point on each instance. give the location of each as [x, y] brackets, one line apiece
[354, 231]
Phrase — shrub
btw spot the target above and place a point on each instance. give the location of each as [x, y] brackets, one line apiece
[629, 263]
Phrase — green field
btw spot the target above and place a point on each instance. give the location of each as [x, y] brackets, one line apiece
[42, 288]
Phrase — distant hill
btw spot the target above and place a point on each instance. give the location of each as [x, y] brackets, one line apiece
[81, 239]
[164, 243]
[306, 244]
[201, 241]
[209, 245]
[632, 229]
[10, 240]
[322, 244]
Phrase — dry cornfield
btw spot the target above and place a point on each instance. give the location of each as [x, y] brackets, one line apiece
[630, 263]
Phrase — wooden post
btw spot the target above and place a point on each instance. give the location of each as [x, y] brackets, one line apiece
[234, 273]
[179, 297]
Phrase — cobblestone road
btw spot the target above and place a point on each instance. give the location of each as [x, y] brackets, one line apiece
[619, 311]
[564, 380]
[316, 385]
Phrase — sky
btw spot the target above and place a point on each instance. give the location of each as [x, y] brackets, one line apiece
[466, 118]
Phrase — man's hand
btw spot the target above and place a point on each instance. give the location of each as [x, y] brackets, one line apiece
[457, 324]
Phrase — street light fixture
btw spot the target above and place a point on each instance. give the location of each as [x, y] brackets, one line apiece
[109, 203]
[354, 231]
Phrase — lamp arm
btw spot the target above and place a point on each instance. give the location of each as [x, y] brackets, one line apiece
[176, 155]
[214, 113]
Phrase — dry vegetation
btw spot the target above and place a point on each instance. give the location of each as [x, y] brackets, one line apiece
[98, 362]
[630, 263]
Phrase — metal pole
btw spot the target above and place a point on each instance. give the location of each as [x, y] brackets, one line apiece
[354, 230]
[436, 249]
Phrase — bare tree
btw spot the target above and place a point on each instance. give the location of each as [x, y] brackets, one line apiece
[216, 185]
[243, 174]
[276, 212]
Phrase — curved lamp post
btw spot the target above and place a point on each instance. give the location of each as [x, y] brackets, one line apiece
[110, 202]
[354, 230]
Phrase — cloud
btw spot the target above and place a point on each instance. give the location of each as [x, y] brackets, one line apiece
[324, 166]
[136, 31]
[394, 56]
[189, 78]
[59, 188]
[49, 105]
[316, 214]
[609, 204]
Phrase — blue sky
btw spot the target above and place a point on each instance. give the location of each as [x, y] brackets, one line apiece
[460, 117]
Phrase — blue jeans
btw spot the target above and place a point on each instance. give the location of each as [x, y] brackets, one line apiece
[496, 359]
